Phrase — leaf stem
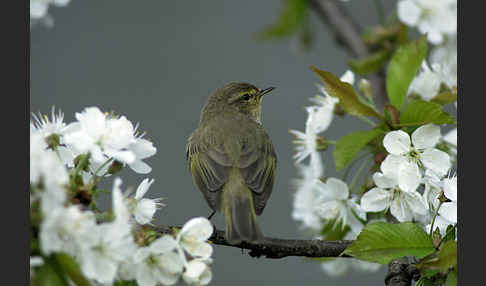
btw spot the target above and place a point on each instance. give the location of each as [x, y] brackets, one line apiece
[93, 178]
[433, 219]
[367, 120]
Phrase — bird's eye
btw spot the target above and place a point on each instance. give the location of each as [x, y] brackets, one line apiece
[246, 96]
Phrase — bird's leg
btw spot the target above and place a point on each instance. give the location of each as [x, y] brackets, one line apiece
[211, 215]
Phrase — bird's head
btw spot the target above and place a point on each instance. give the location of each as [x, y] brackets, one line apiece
[244, 97]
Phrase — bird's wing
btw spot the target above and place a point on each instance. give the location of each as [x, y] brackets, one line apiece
[208, 174]
[260, 174]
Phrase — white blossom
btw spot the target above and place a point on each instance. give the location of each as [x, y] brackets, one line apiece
[334, 204]
[46, 167]
[107, 137]
[319, 117]
[158, 263]
[427, 83]
[445, 56]
[197, 272]
[306, 142]
[396, 190]
[141, 208]
[436, 18]
[41, 124]
[65, 229]
[422, 151]
[448, 210]
[109, 243]
[433, 187]
[305, 203]
[193, 236]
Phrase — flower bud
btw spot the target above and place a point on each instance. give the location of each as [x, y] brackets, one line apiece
[115, 167]
[365, 87]
[321, 143]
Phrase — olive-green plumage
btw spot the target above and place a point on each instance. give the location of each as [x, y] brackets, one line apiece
[232, 159]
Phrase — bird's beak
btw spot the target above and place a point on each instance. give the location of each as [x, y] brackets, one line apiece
[266, 90]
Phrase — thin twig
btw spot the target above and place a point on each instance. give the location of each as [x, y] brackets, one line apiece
[348, 35]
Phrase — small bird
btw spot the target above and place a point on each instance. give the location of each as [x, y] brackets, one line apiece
[232, 159]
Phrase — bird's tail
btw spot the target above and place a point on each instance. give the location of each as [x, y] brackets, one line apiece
[238, 209]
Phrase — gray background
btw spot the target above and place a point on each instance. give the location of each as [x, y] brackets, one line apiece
[156, 62]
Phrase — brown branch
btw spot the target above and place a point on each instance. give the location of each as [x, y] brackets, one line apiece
[278, 248]
[348, 35]
[401, 273]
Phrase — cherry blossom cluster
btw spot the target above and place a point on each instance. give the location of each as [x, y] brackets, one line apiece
[411, 163]
[67, 161]
[317, 202]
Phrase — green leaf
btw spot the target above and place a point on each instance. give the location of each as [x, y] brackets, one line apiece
[46, 275]
[419, 112]
[372, 63]
[382, 242]
[351, 144]
[445, 98]
[289, 22]
[348, 98]
[442, 260]
[71, 268]
[403, 67]
[451, 278]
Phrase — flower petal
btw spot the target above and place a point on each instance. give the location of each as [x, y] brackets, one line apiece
[436, 160]
[400, 209]
[451, 137]
[198, 249]
[450, 188]
[376, 200]
[143, 188]
[397, 142]
[145, 210]
[449, 211]
[348, 76]
[337, 189]
[140, 167]
[390, 167]
[409, 177]
[163, 244]
[143, 148]
[199, 228]
[426, 136]
[415, 203]
[383, 181]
